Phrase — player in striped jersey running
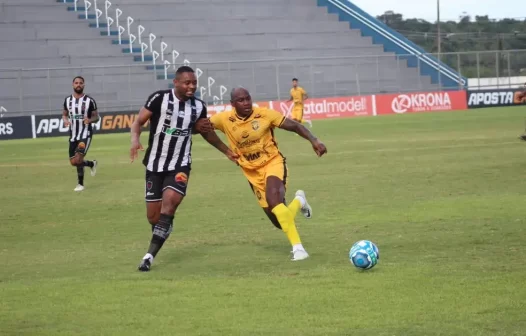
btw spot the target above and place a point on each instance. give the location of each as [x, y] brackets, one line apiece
[174, 116]
[80, 111]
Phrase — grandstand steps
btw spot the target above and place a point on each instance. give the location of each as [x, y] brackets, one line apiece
[41, 34]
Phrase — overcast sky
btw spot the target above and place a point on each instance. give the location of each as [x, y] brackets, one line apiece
[449, 9]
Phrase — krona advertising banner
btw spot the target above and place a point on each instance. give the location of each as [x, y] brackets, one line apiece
[420, 102]
[495, 98]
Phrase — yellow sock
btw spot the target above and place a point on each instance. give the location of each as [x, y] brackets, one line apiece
[286, 220]
[294, 207]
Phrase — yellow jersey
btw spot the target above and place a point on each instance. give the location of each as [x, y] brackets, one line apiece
[297, 95]
[251, 137]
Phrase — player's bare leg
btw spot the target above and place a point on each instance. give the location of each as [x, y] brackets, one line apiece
[79, 162]
[275, 194]
[161, 216]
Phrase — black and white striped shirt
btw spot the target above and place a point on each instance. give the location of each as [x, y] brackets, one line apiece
[171, 124]
[78, 109]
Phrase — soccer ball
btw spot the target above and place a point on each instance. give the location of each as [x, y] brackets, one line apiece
[364, 254]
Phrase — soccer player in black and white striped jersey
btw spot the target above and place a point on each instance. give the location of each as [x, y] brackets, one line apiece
[174, 116]
[80, 111]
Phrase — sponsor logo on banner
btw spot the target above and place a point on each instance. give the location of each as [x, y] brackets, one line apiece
[112, 122]
[6, 128]
[493, 98]
[323, 108]
[50, 126]
[421, 102]
[15, 128]
[117, 122]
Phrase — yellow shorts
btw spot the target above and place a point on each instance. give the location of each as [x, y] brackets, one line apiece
[258, 177]
[297, 113]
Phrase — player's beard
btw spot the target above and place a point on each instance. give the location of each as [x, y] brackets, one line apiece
[79, 90]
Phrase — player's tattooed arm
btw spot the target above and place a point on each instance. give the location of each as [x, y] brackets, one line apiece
[65, 118]
[212, 138]
[304, 132]
[144, 116]
[94, 116]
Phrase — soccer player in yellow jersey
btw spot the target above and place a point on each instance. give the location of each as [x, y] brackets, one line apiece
[298, 95]
[250, 133]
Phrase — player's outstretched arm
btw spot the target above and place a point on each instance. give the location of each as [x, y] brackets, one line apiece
[212, 138]
[304, 132]
[144, 116]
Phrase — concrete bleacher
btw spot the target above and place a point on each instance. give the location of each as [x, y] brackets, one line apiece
[259, 45]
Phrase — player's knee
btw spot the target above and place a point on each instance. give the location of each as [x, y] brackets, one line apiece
[153, 218]
[170, 205]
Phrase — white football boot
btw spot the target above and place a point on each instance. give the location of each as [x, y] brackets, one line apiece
[299, 254]
[79, 188]
[306, 209]
[94, 168]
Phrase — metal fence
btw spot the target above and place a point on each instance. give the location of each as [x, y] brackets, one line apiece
[126, 87]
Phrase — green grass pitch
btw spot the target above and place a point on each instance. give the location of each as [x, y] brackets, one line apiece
[442, 195]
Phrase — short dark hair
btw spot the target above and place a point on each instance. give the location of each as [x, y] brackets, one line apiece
[294, 79]
[78, 77]
[183, 69]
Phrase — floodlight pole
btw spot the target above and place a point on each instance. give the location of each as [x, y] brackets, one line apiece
[439, 42]
[438, 30]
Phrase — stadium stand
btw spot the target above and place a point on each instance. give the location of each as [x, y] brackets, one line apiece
[226, 40]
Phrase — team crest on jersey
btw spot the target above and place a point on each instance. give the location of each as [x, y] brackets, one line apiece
[149, 185]
[255, 125]
[181, 178]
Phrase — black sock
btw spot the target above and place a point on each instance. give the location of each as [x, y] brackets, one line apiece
[161, 232]
[80, 174]
[88, 164]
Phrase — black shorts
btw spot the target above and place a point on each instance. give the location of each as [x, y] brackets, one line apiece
[79, 146]
[157, 183]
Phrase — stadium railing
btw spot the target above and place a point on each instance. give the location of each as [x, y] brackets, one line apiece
[24, 84]
[149, 52]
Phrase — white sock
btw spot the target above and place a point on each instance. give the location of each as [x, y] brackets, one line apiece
[297, 247]
[302, 201]
[148, 256]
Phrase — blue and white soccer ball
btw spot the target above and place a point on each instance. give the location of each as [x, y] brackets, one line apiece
[364, 254]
